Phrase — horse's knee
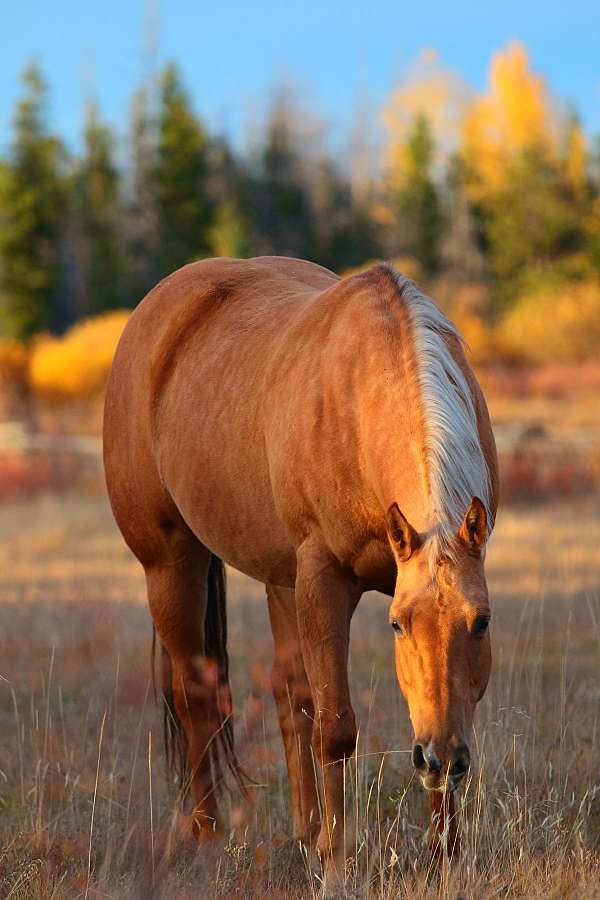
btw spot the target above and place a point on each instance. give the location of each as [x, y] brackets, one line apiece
[334, 736]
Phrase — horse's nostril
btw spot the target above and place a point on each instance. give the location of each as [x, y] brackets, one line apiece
[425, 759]
[462, 761]
[417, 757]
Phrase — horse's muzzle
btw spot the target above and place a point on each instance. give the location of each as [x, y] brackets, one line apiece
[440, 772]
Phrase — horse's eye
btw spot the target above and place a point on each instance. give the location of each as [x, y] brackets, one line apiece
[397, 626]
[480, 626]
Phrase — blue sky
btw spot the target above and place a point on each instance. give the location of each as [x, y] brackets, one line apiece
[232, 53]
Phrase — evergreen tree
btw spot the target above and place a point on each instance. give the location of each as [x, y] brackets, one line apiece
[592, 224]
[32, 205]
[180, 178]
[532, 227]
[345, 232]
[99, 215]
[284, 220]
[417, 200]
[529, 195]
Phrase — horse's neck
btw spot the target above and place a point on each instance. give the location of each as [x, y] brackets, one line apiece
[395, 454]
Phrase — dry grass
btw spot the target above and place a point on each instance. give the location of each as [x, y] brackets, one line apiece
[86, 811]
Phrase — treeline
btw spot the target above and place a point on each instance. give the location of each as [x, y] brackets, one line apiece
[493, 198]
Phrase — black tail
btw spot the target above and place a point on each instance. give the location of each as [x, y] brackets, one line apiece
[222, 747]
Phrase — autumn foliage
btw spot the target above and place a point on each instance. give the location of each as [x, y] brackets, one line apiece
[514, 116]
[553, 326]
[491, 202]
[77, 364]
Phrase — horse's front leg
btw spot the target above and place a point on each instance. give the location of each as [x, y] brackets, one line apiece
[296, 713]
[326, 597]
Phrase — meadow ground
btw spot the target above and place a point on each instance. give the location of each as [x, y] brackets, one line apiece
[85, 808]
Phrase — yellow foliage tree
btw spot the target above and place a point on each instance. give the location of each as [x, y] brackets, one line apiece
[77, 364]
[515, 115]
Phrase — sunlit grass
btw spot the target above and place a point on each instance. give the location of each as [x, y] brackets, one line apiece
[84, 805]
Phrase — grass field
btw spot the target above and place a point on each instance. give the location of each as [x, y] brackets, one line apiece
[85, 809]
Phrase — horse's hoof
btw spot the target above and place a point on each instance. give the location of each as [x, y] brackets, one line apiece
[199, 830]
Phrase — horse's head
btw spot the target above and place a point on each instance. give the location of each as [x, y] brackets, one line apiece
[440, 617]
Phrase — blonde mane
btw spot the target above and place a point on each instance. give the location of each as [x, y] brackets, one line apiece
[456, 465]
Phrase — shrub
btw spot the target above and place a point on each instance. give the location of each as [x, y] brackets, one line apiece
[560, 325]
[13, 362]
[77, 364]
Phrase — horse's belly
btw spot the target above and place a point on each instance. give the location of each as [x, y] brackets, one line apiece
[224, 494]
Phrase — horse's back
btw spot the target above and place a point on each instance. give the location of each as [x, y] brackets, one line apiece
[183, 415]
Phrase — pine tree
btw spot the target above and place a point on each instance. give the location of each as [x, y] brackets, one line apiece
[345, 234]
[99, 214]
[32, 204]
[180, 178]
[592, 223]
[531, 226]
[284, 220]
[527, 195]
[417, 201]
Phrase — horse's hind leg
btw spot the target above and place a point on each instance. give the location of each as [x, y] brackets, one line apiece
[326, 597]
[295, 710]
[177, 595]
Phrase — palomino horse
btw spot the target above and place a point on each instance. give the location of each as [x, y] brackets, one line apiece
[266, 413]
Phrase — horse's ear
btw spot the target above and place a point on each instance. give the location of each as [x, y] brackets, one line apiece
[473, 531]
[403, 537]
